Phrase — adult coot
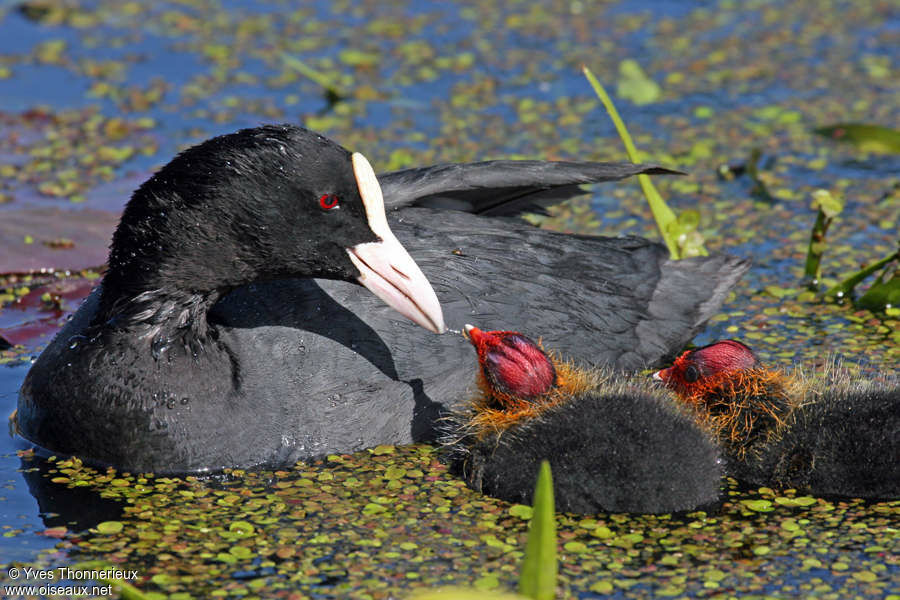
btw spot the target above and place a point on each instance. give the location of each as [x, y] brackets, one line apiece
[616, 443]
[828, 434]
[231, 329]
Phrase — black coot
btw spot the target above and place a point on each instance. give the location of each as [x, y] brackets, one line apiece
[616, 443]
[827, 434]
[231, 329]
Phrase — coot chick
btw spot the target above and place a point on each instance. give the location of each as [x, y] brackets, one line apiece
[616, 443]
[827, 433]
[231, 329]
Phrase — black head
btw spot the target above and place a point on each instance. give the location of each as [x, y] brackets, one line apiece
[267, 203]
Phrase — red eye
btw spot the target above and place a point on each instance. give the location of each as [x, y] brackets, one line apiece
[328, 201]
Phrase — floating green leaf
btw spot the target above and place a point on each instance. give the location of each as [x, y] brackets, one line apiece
[869, 138]
[758, 505]
[635, 85]
[394, 472]
[109, 527]
[358, 58]
[538, 577]
[242, 528]
[798, 501]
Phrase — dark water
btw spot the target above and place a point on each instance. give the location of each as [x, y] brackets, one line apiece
[433, 82]
[18, 511]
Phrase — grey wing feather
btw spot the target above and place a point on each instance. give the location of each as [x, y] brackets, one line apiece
[501, 187]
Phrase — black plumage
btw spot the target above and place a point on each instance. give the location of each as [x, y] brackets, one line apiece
[843, 441]
[231, 330]
[621, 448]
[822, 431]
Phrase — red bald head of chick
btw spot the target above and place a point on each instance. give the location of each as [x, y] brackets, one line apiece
[513, 365]
[694, 368]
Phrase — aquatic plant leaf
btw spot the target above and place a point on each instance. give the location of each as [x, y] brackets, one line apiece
[882, 294]
[828, 207]
[538, 577]
[110, 527]
[635, 85]
[458, 593]
[798, 501]
[332, 91]
[846, 287]
[125, 589]
[760, 189]
[662, 214]
[684, 230]
[760, 505]
[869, 138]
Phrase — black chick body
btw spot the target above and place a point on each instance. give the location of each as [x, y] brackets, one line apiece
[826, 434]
[231, 329]
[615, 443]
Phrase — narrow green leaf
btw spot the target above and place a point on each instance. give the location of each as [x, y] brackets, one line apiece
[760, 190]
[126, 590]
[815, 250]
[538, 577]
[828, 207]
[665, 218]
[882, 294]
[846, 286]
[332, 92]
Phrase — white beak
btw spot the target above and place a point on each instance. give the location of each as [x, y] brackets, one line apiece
[385, 267]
